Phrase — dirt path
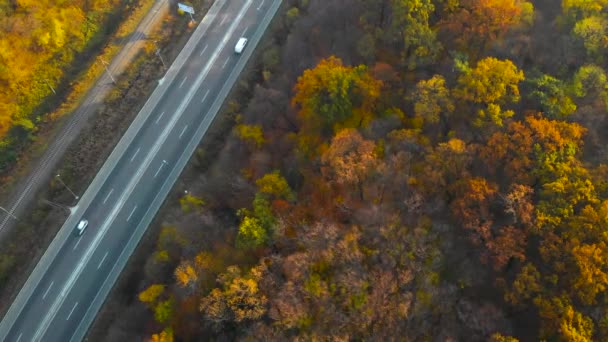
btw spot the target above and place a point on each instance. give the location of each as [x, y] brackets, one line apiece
[25, 190]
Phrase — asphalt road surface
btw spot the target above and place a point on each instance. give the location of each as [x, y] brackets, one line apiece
[58, 304]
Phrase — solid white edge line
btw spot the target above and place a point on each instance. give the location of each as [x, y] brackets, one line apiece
[47, 290]
[71, 312]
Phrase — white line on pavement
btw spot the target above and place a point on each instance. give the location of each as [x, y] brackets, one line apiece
[183, 131]
[52, 312]
[47, 290]
[102, 260]
[204, 97]
[204, 49]
[77, 243]
[222, 22]
[244, 31]
[108, 195]
[184, 81]
[131, 214]
[159, 117]
[71, 312]
[159, 168]
[134, 154]
[226, 62]
[19, 338]
[261, 4]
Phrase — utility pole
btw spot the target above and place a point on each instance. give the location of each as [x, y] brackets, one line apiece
[159, 55]
[8, 213]
[70, 190]
[105, 64]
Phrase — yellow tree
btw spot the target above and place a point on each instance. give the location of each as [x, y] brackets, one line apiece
[274, 184]
[151, 294]
[253, 135]
[164, 336]
[189, 202]
[490, 84]
[239, 298]
[432, 99]
[592, 278]
[561, 320]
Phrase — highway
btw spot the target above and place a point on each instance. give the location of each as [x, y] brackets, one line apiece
[61, 300]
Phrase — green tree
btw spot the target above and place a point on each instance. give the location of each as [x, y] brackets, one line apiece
[410, 22]
[163, 311]
[333, 94]
[257, 227]
[590, 82]
[592, 31]
[251, 233]
[552, 95]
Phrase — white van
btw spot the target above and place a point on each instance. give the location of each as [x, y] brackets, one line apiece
[240, 45]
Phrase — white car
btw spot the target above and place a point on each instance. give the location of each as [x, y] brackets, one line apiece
[240, 45]
[81, 226]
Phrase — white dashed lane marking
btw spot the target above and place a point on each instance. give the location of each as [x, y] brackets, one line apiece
[47, 290]
[134, 154]
[131, 214]
[102, 260]
[108, 195]
[204, 97]
[159, 117]
[71, 312]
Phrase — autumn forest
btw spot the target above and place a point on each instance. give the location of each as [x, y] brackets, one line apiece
[398, 170]
[403, 170]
